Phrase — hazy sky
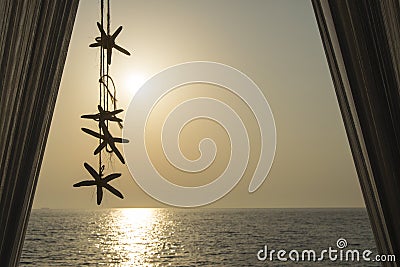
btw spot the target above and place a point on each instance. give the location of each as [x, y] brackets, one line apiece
[276, 43]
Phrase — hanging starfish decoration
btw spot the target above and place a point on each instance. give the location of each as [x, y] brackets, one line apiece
[108, 42]
[108, 139]
[105, 42]
[100, 182]
[103, 115]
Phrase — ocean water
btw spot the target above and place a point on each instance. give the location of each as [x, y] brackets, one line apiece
[190, 237]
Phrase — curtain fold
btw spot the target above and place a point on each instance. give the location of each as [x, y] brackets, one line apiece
[34, 39]
[362, 46]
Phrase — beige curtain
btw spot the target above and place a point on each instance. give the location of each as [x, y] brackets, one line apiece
[34, 39]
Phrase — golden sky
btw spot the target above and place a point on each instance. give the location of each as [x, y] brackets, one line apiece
[275, 43]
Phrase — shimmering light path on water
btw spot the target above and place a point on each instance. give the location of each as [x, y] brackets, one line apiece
[188, 237]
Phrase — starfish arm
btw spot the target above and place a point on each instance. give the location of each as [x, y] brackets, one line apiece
[100, 147]
[97, 44]
[92, 172]
[115, 112]
[85, 183]
[104, 128]
[115, 34]
[122, 50]
[112, 118]
[114, 191]
[120, 140]
[99, 194]
[93, 133]
[101, 110]
[103, 33]
[109, 54]
[111, 177]
[91, 116]
[107, 134]
[116, 151]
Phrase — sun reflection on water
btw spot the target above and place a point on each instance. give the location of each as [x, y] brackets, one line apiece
[133, 231]
[137, 237]
[182, 237]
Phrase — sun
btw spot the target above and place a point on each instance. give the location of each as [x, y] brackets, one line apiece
[133, 81]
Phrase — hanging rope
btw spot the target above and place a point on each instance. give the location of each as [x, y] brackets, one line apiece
[101, 74]
[112, 95]
[107, 66]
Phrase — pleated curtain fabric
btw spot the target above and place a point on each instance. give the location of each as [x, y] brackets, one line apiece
[34, 39]
[362, 46]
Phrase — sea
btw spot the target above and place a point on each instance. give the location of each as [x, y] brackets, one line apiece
[196, 237]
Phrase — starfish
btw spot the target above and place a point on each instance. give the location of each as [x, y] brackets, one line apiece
[100, 183]
[107, 139]
[108, 42]
[103, 115]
